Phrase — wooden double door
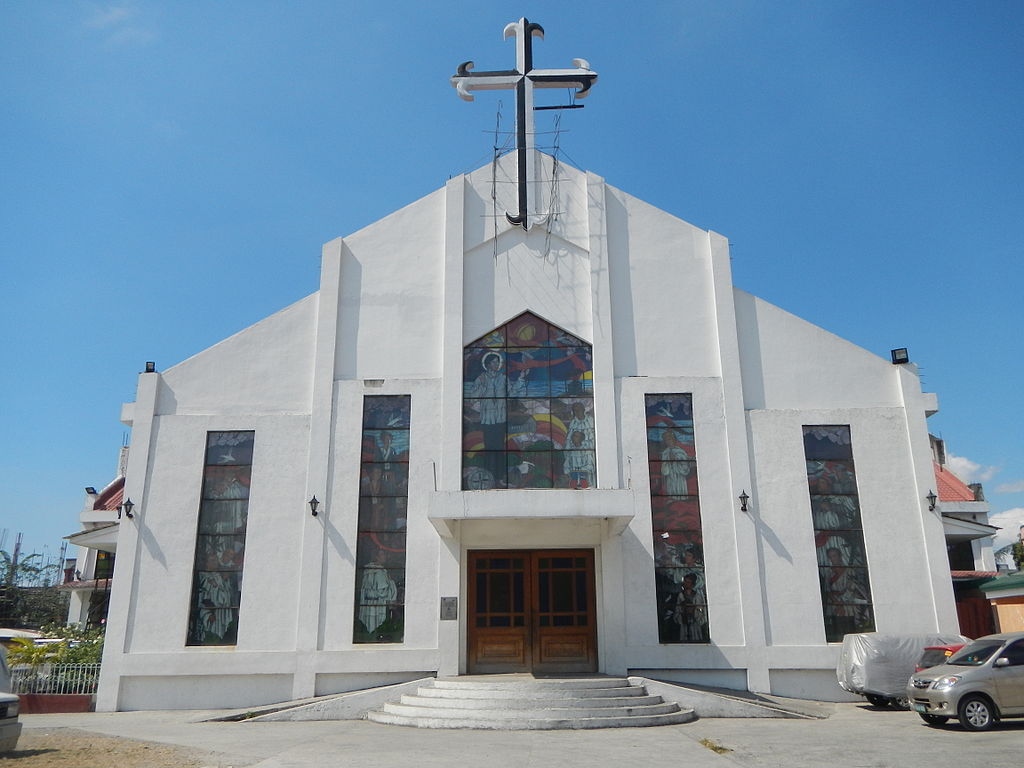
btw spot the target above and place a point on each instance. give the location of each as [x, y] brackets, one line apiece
[531, 611]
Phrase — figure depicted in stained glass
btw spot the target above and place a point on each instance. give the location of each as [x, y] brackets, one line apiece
[376, 592]
[217, 611]
[691, 613]
[583, 423]
[692, 566]
[846, 596]
[675, 467]
[579, 464]
[490, 389]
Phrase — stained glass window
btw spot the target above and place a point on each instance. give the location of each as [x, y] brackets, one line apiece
[528, 409]
[838, 535]
[220, 541]
[675, 520]
[383, 503]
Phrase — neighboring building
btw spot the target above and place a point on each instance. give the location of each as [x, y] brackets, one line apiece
[968, 543]
[90, 580]
[1006, 595]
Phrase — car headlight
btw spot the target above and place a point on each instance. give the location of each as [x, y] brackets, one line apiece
[945, 683]
[12, 709]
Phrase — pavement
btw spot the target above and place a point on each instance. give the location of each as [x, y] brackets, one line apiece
[855, 735]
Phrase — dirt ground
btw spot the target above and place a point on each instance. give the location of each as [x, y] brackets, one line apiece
[72, 748]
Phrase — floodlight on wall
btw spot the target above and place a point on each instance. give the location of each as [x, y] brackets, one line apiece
[313, 505]
[900, 356]
[744, 498]
[932, 498]
[150, 366]
[127, 508]
[90, 490]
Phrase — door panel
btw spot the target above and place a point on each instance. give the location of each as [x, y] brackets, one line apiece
[532, 611]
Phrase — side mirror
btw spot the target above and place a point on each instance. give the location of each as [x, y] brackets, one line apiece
[1002, 661]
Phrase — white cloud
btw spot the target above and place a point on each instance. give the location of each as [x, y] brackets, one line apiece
[121, 23]
[1010, 521]
[1015, 487]
[969, 471]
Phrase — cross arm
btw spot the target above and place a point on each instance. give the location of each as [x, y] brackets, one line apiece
[465, 81]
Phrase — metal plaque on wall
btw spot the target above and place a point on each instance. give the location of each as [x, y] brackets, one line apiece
[449, 608]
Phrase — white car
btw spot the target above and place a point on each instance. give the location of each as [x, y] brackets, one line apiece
[10, 728]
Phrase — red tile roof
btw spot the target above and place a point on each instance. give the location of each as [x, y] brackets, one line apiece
[111, 496]
[973, 574]
[951, 487]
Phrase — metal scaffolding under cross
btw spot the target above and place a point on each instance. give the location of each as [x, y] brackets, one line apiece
[523, 79]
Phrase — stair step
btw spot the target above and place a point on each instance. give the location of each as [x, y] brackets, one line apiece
[575, 683]
[534, 724]
[562, 712]
[499, 703]
[522, 691]
[425, 698]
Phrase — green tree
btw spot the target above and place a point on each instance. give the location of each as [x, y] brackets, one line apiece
[1015, 550]
[29, 597]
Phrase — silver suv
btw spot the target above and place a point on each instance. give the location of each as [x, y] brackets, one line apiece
[978, 685]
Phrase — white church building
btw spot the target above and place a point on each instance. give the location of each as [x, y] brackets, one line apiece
[570, 446]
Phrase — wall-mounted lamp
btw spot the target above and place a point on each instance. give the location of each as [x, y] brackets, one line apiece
[744, 498]
[90, 490]
[932, 498]
[127, 508]
[150, 366]
[313, 505]
[900, 356]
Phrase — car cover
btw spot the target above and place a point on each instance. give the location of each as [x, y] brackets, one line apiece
[879, 663]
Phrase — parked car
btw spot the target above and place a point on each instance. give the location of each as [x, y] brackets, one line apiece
[10, 728]
[876, 665]
[937, 654]
[979, 685]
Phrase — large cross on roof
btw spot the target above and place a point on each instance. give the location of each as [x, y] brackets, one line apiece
[523, 79]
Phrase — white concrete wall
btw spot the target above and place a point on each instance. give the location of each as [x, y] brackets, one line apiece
[396, 303]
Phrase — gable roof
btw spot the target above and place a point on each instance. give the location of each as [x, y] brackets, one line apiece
[951, 487]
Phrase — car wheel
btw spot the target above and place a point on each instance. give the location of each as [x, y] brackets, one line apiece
[899, 702]
[876, 701]
[936, 720]
[975, 713]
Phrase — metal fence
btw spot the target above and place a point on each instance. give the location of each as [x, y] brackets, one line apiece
[55, 678]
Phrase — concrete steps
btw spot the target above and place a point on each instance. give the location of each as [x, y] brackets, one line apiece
[528, 703]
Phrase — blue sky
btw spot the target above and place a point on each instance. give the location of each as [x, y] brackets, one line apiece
[168, 172]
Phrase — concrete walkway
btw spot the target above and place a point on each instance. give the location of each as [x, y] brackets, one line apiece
[856, 735]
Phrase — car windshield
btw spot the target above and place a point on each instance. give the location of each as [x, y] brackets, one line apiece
[976, 654]
[932, 657]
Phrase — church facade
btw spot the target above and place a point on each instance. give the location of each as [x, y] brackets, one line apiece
[576, 447]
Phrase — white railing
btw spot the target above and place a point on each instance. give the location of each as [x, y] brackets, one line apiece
[55, 678]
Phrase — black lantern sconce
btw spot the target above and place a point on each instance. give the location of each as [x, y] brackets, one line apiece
[314, 504]
[744, 498]
[127, 508]
[932, 498]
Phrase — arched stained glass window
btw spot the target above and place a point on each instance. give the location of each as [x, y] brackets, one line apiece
[528, 409]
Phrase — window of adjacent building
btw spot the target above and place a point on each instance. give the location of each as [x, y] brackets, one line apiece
[220, 542]
[675, 518]
[104, 565]
[528, 409]
[383, 503]
[838, 534]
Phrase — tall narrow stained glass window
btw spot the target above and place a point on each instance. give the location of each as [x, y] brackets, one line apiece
[838, 535]
[383, 501]
[528, 409]
[220, 541]
[675, 518]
